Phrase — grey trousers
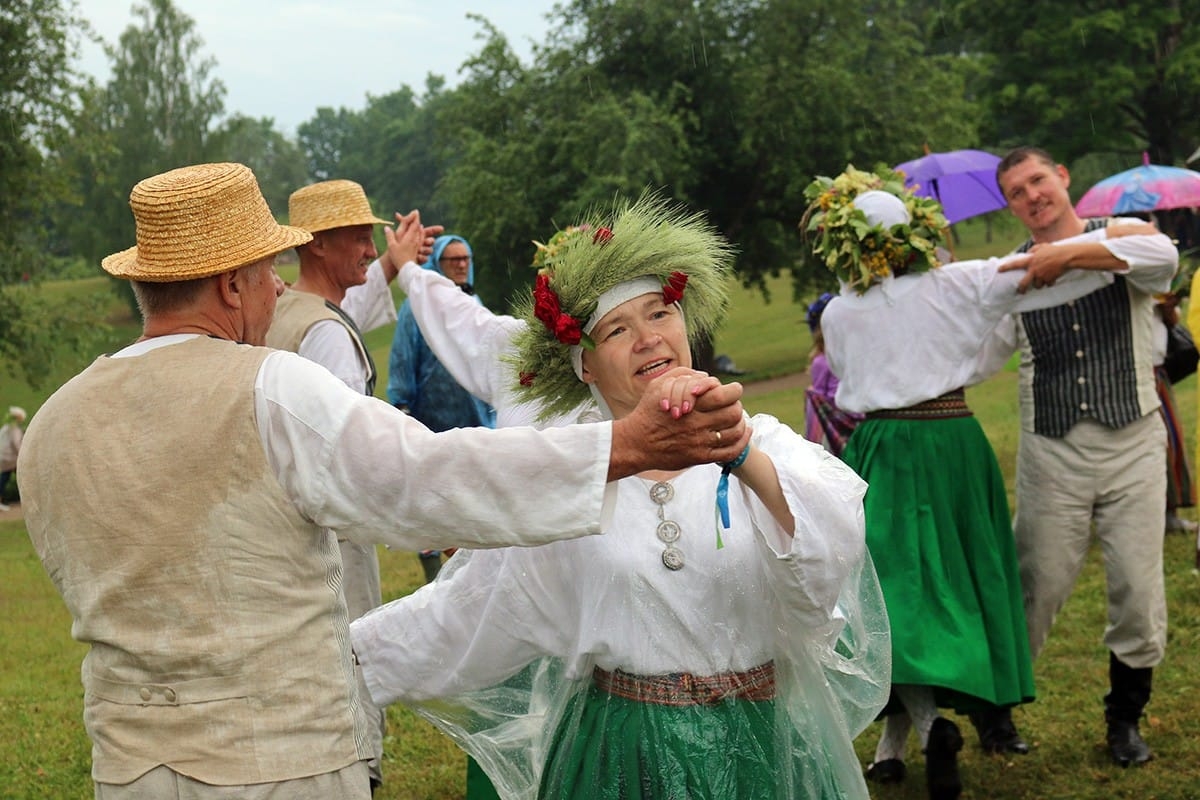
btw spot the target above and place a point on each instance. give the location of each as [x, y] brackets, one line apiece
[1114, 479]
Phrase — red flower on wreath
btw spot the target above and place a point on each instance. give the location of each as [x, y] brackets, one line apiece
[601, 236]
[673, 288]
[565, 328]
[526, 378]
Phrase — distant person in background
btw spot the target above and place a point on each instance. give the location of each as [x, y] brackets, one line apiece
[824, 422]
[418, 383]
[341, 293]
[11, 434]
[1193, 323]
[1181, 486]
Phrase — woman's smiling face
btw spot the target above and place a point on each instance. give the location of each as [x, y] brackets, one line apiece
[635, 343]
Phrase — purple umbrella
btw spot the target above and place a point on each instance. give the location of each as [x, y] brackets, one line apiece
[963, 181]
[1149, 187]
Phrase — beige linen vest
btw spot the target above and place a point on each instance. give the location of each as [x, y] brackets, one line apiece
[213, 611]
[296, 312]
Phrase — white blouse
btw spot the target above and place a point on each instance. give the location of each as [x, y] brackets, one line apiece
[610, 602]
[919, 336]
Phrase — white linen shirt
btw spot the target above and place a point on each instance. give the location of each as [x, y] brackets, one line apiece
[919, 336]
[372, 473]
[327, 342]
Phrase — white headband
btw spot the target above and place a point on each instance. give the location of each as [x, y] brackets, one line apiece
[621, 293]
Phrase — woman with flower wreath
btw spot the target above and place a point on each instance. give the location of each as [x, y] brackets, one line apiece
[722, 640]
[904, 338]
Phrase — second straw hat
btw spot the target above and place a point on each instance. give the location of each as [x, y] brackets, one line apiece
[331, 204]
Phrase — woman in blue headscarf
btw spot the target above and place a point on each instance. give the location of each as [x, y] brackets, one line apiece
[417, 381]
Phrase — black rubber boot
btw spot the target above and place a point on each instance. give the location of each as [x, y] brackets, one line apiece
[941, 760]
[997, 733]
[1123, 705]
[890, 770]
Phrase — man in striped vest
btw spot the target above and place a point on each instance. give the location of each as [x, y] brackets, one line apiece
[1092, 445]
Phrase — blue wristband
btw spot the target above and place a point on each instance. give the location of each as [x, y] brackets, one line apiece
[723, 489]
[730, 466]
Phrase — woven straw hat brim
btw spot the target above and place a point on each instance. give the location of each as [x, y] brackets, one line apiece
[199, 221]
[345, 222]
[331, 204]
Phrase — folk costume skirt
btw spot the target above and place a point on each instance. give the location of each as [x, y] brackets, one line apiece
[939, 531]
[611, 746]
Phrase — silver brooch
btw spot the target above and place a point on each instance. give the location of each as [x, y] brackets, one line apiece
[668, 531]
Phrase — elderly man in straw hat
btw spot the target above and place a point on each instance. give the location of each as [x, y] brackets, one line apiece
[342, 293]
[198, 564]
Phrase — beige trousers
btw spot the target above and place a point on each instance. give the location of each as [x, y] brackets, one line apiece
[1114, 479]
[163, 783]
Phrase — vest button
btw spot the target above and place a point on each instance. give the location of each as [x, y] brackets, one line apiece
[1075, 327]
[170, 695]
[1081, 380]
[1079, 354]
[1083, 406]
[144, 694]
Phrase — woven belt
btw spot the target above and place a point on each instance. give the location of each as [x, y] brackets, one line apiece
[951, 404]
[685, 689]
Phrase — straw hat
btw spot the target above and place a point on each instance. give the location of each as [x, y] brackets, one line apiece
[331, 204]
[198, 221]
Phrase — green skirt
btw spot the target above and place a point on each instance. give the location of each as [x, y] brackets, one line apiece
[939, 532]
[479, 787]
[613, 748]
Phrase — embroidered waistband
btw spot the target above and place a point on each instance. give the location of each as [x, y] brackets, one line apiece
[951, 404]
[685, 689]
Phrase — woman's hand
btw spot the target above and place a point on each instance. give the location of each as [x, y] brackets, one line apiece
[679, 387]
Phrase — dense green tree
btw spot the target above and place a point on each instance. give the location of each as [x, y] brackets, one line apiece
[37, 104]
[159, 111]
[1107, 76]
[277, 161]
[37, 90]
[730, 107]
[725, 105]
[525, 149]
[328, 142]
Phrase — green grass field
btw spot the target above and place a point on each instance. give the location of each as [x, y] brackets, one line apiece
[47, 755]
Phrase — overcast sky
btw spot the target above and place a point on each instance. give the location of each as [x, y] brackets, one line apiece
[286, 58]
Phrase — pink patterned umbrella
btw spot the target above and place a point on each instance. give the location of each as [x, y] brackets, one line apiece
[1150, 187]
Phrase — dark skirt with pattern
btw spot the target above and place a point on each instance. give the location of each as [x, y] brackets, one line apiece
[939, 532]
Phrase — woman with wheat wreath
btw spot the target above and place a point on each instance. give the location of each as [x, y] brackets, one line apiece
[723, 639]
